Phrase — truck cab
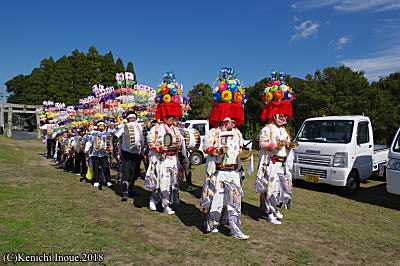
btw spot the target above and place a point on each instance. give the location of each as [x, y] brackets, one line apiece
[338, 150]
[393, 166]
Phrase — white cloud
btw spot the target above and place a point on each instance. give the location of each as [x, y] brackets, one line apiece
[377, 66]
[350, 5]
[305, 30]
[341, 42]
[307, 4]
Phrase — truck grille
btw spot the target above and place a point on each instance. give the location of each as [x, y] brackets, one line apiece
[314, 160]
[305, 171]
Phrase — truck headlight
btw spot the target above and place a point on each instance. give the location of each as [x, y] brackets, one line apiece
[340, 159]
[394, 164]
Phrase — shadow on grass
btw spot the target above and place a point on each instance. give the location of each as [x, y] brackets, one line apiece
[254, 212]
[375, 195]
[190, 215]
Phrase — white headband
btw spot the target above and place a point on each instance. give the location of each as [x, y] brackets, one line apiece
[100, 123]
[131, 115]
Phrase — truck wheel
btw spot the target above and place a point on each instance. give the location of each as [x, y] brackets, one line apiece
[196, 158]
[352, 184]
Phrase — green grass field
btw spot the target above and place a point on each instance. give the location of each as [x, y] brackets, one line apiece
[44, 209]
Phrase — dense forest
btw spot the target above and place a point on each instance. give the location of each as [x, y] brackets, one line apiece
[68, 79]
[331, 91]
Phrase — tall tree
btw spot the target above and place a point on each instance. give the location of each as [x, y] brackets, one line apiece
[61, 82]
[108, 69]
[16, 88]
[95, 75]
[201, 105]
[119, 66]
[81, 73]
[129, 68]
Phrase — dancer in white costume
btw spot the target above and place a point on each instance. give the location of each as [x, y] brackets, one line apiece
[274, 180]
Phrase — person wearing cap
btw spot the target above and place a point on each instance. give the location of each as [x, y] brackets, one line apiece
[68, 152]
[184, 160]
[50, 141]
[112, 129]
[164, 140]
[78, 143]
[274, 181]
[222, 190]
[98, 146]
[130, 153]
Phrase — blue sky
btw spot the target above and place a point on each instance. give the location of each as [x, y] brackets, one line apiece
[196, 38]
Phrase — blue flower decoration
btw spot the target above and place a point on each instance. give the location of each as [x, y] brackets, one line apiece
[160, 98]
[174, 91]
[216, 97]
[288, 95]
[233, 88]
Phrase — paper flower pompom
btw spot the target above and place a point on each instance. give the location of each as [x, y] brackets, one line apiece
[231, 83]
[289, 95]
[276, 82]
[226, 96]
[167, 98]
[222, 86]
[164, 90]
[245, 99]
[174, 91]
[278, 95]
[176, 99]
[269, 96]
[234, 88]
[274, 88]
[216, 98]
[158, 91]
[179, 92]
[238, 97]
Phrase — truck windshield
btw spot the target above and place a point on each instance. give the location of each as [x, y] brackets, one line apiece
[330, 131]
[396, 146]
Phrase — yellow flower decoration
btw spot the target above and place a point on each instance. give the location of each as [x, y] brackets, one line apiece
[167, 98]
[269, 96]
[226, 96]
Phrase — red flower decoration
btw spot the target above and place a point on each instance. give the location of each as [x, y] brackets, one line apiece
[278, 94]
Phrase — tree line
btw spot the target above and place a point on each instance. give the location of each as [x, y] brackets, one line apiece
[68, 79]
[332, 91]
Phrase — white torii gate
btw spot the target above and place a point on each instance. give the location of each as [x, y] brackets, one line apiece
[18, 108]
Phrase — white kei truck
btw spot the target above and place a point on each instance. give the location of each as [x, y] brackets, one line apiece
[338, 150]
[393, 166]
[197, 157]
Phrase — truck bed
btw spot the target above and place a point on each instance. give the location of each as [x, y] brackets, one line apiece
[379, 147]
[381, 153]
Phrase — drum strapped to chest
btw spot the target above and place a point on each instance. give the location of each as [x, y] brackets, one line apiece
[168, 142]
[101, 143]
[144, 132]
[192, 138]
[49, 132]
[133, 137]
[78, 144]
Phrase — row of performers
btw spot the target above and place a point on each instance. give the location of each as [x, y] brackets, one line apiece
[110, 145]
[167, 164]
